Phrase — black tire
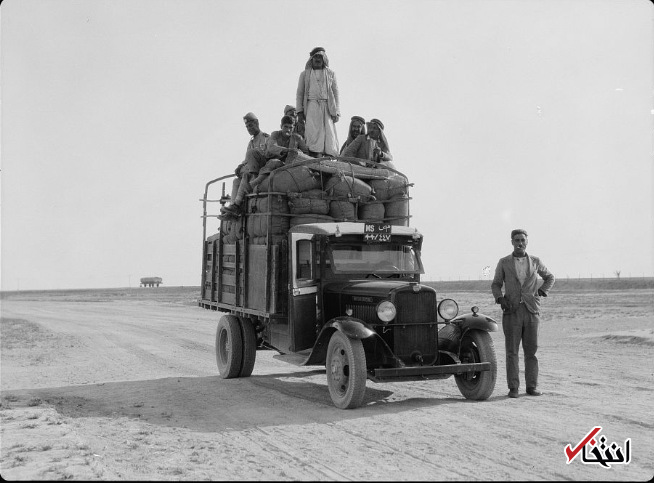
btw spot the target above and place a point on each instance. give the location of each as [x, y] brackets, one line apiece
[346, 371]
[477, 346]
[229, 347]
[249, 346]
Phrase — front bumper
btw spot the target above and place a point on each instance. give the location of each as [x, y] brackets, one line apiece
[417, 373]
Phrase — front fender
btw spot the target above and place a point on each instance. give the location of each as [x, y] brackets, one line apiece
[352, 327]
[475, 321]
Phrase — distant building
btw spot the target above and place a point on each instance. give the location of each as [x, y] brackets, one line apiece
[150, 281]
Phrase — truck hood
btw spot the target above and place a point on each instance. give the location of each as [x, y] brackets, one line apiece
[374, 288]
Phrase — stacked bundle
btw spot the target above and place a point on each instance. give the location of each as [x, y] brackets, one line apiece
[347, 191]
[259, 207]
[393, 195]
[321, 191]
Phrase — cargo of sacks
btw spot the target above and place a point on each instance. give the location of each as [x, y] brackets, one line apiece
[325, 190]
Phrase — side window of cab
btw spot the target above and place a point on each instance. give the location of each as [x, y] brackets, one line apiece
[305, 271]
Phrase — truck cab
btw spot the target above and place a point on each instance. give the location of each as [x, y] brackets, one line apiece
[345, 294]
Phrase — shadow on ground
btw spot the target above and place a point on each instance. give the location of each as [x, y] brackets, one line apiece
[211, 404]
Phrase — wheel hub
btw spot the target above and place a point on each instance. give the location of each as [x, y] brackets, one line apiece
[339, 367]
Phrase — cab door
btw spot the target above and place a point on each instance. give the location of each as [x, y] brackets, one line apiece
[303, 292]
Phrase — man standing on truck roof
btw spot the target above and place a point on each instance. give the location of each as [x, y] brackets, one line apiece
[255, 159]
[278, 146]
[372, 146]
[521, 308]
[318, 104]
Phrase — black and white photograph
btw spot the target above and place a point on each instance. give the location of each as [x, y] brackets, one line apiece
[290, 240]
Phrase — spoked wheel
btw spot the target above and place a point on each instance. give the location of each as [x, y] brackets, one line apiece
[346, 371]
[229, 347]
[477, 346]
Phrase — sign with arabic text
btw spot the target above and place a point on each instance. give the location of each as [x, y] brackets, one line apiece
[377, 232]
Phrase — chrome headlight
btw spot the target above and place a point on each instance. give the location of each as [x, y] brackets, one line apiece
[386, 311]
[448, 309]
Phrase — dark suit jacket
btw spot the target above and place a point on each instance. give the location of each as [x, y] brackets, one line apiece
[506, 275]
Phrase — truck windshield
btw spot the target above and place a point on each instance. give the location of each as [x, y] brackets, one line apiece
[375, 258]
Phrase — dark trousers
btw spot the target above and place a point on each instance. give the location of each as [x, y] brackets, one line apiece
[521, 326]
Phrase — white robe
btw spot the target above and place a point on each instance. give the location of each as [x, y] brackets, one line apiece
[319, 131]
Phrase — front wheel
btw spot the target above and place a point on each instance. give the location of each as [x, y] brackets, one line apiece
[229, 347]
[346, 371]
[477, 346]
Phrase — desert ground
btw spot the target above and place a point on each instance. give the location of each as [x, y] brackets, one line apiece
[121, 384]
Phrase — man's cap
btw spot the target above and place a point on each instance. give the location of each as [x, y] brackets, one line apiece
[358, 118]
[289, 108]
[250, 117]
[378, 122]
[518, 231]
[316, 50]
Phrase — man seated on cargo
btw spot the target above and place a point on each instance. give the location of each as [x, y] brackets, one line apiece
[255, 159]
[298, 127]
[372, 146]
[278, 146]
[357, 127]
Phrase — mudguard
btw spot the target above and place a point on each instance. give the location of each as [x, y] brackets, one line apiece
[351, 327]
[475, 321]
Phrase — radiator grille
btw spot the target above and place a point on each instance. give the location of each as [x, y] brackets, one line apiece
[415, 308]
[412, 308]
[367, 313]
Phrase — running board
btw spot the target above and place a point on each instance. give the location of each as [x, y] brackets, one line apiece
[295, 358]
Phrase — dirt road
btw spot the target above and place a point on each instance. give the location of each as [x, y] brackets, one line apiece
[113, 385]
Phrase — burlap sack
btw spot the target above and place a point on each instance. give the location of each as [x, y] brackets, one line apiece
[397, 211]
[371, 211]
[386, 189]
[296, 179]
[302, 206]
[257, 219]
[343, 210]
[347, 186]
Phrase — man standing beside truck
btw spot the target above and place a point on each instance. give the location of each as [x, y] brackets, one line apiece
[521, 309]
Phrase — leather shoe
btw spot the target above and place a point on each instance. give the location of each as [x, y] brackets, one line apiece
[513, 393]
[532, 391]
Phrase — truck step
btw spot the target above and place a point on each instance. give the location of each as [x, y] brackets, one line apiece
[295, 358]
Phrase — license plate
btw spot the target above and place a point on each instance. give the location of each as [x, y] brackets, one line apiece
[377, 232]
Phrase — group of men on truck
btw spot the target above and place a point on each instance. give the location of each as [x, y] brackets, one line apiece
[309, 130]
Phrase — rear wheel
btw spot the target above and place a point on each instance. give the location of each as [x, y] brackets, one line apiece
[346, 371]
[229, 347]
[477, 346]
[249, 346]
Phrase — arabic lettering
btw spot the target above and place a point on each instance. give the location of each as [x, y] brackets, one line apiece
[599, 452]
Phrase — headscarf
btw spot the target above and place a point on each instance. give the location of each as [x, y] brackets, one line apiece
[317, 50]
[382, 141]
[289, 108]
[349, 131]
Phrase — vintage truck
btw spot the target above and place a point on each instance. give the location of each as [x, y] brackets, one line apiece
[344, 293]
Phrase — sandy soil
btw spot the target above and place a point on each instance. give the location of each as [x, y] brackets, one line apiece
[123, 385]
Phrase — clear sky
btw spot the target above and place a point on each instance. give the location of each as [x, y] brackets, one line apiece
[504, 113]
